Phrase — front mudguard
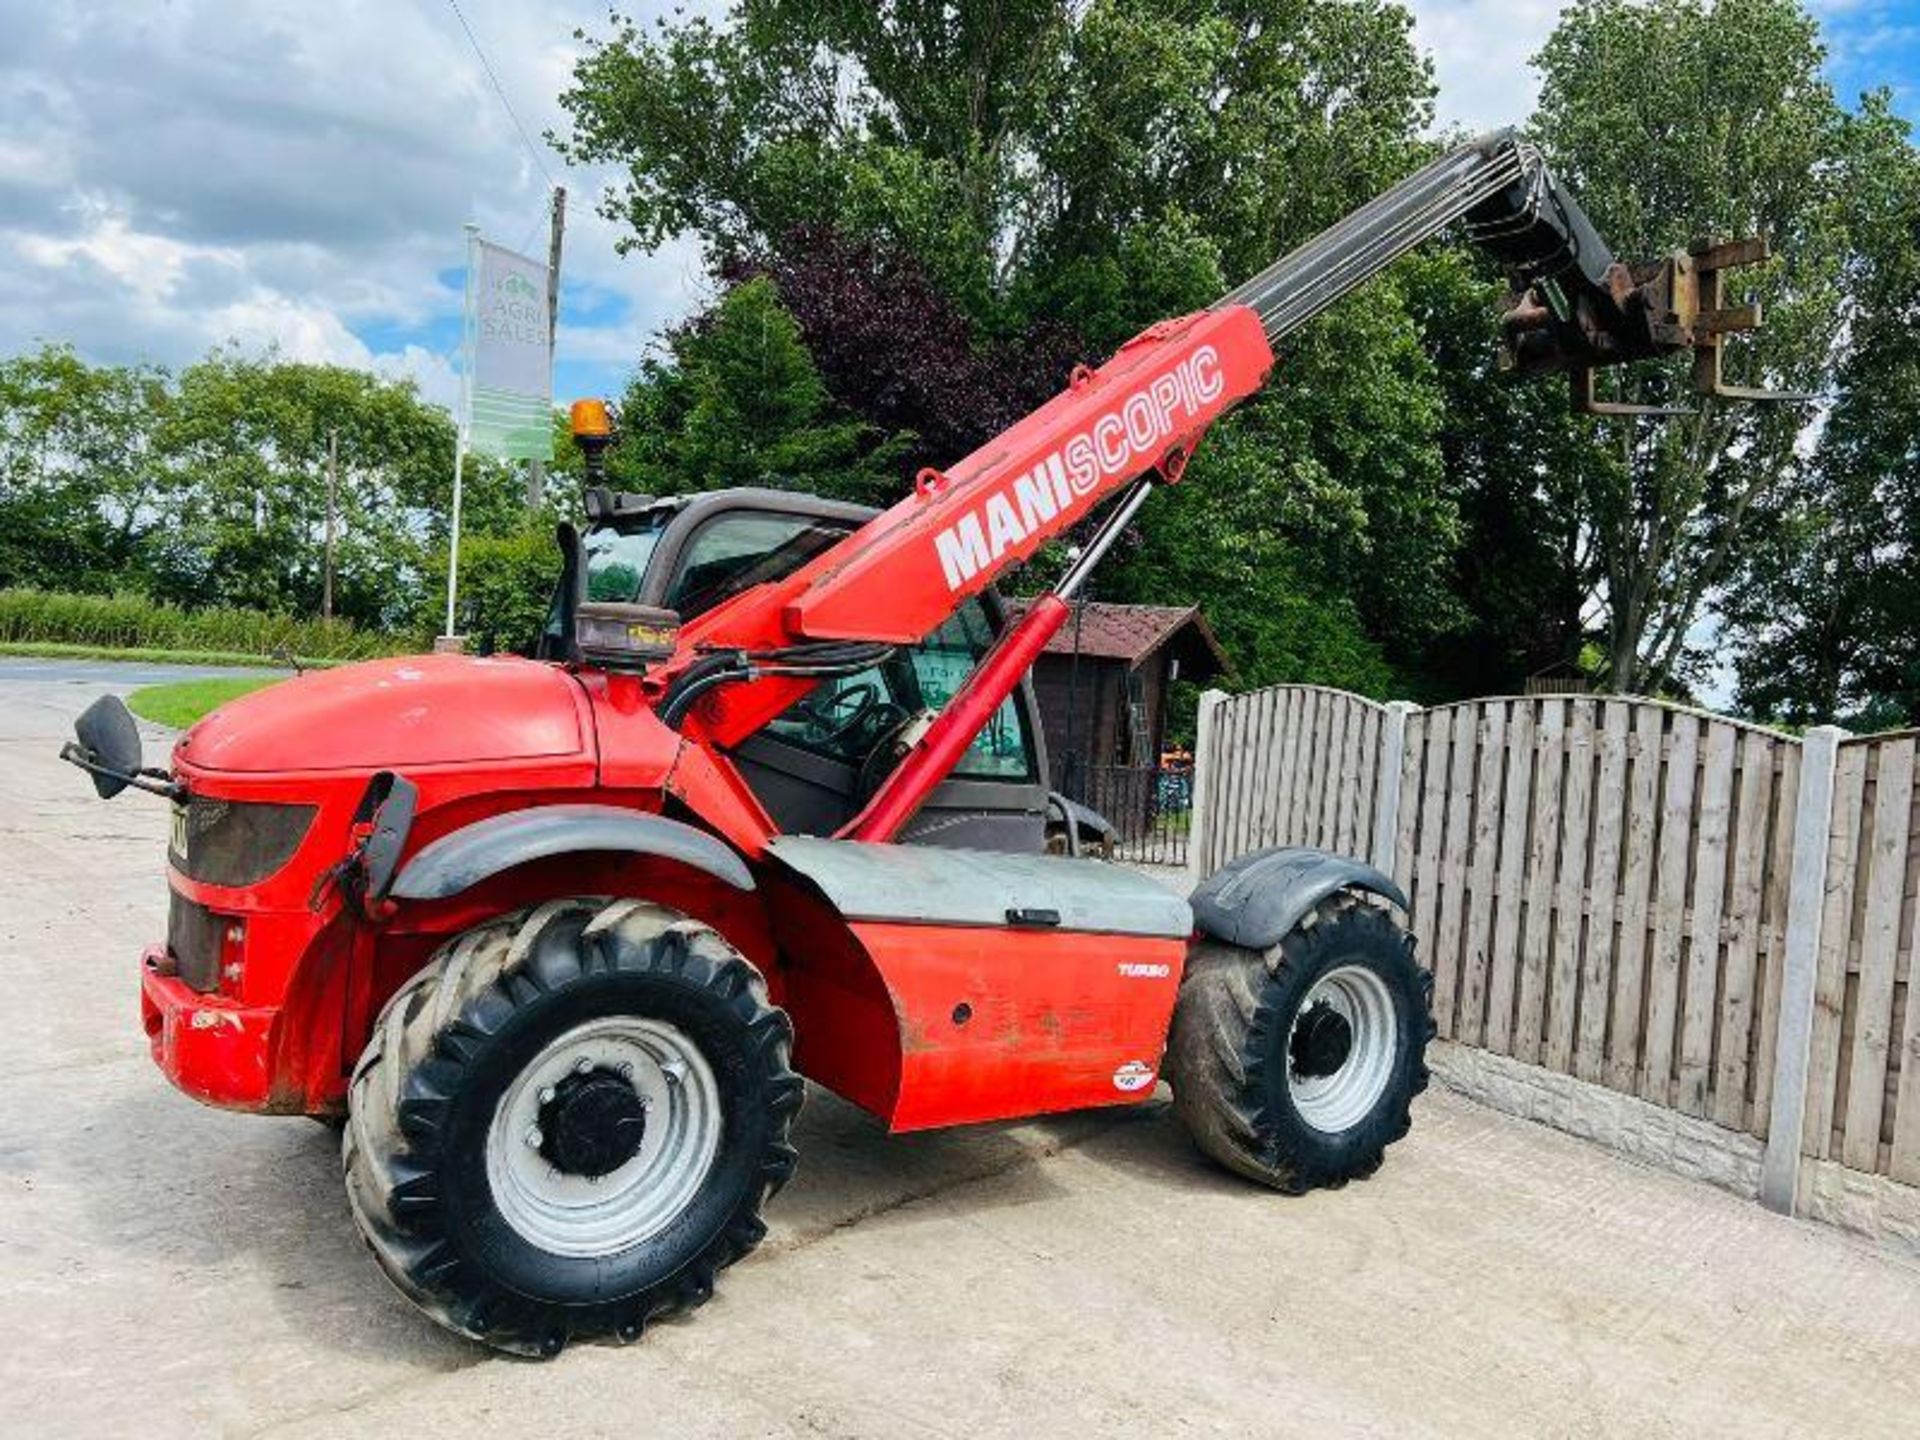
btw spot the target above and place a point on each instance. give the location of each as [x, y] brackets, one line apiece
[1255, 900]
[456, 862]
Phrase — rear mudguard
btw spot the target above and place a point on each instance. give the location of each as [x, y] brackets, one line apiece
[458, 861]
[1255, 900]
[1080, 825]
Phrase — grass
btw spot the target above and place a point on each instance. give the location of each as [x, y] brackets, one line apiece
[182, 702]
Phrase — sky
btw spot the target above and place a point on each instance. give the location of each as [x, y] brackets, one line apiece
[176, 174]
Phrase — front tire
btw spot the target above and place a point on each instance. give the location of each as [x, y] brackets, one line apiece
[1298, 1066]
[567, 1123]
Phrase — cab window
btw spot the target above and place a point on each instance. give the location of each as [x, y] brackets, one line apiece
[844, 719]
[617, 558]
[1001, 751]
[737, 551]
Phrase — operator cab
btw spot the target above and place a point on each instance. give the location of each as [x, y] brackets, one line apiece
[816, 764]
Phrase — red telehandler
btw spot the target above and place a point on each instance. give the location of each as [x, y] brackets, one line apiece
[532, 930]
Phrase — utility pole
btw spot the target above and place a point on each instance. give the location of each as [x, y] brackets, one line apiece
[333, 491]
[536, 469]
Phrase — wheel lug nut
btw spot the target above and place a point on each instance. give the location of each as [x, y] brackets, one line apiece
[674, 1070]
[533, 1137]
[546, 1096]
[582, 1066]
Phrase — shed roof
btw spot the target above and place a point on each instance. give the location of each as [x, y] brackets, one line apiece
[1132, 633]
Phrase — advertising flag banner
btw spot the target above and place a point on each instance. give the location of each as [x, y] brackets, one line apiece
[509, 389]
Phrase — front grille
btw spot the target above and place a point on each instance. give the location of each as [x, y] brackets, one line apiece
[236, 842]
[193, 940]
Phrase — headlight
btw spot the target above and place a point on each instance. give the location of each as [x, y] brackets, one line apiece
[235, 842]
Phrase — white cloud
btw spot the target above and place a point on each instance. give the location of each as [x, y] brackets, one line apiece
[1481, 51]
[176, 176]
[150, 267]
[432, 372]
[176, 295]
[310, 333]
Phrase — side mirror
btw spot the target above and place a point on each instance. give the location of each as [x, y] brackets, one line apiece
[109, 745]
[555, 641]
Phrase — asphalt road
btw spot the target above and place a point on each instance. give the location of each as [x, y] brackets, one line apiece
[121, 675]
[170, 1270]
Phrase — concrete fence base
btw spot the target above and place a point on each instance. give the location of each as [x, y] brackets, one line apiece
[1652, 1134]
[1865, 1204]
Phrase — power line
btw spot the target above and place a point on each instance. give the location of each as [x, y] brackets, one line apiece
[500, 90]
[544, 216]
[532, 230]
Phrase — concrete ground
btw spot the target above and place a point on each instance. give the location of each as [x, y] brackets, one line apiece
[167, 1269]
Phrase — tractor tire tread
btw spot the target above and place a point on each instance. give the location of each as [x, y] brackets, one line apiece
[1222, 1044]
[440, 1017]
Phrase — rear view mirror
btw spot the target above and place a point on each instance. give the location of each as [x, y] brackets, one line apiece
[110, 745]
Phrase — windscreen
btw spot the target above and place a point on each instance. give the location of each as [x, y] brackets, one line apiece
[617, 556]
[734, 552]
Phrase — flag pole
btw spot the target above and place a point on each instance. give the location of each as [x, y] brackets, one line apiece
[463, 420]
[537, 469]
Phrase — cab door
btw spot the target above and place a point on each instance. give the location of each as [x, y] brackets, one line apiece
[814, 766]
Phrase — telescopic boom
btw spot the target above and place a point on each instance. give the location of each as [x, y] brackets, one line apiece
[1139, 417]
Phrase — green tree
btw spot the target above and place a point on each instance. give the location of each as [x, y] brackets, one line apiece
[1278, 613]
[209, 488]
[506, 587]
[1824, 609]
[1092, 167]
[248, 439]
[739, 401]
[1671, 119]
[80, 480]
[1000, 142]
[1521, 469]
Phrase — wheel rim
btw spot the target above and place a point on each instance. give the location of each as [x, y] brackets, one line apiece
[1341, 1047]
[627, 1164]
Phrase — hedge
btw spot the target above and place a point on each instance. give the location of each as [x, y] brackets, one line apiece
[506, 586]
[127, 622]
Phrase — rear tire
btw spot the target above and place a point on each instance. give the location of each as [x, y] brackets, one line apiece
[567, 1123]
[1296, 1067]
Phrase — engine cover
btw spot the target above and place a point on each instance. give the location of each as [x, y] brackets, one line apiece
[387, 714]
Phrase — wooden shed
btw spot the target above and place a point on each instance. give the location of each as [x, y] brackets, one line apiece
[1102, 681]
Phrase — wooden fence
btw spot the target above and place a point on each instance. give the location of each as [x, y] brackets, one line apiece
[1632, 893]
[1304, 763]
[1863, 1077]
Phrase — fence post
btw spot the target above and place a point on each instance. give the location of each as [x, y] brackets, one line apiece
[1204, 760]
[1386, 799]
[1793, 1039]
